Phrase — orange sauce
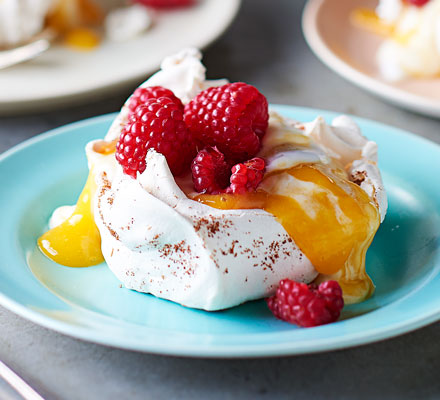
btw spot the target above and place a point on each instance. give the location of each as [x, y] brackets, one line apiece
[77, 242]
[369, 20]
[75, 21]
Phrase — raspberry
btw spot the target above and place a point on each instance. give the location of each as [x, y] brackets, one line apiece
[142, 94]
[233, 117]
[417, 3]
[307, 305]
[247, 176]
[166, 3]
[210, 171]
[157, 124]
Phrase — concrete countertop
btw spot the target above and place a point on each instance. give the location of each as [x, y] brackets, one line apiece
[263, 47]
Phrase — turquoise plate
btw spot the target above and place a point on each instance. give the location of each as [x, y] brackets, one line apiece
[47, 171]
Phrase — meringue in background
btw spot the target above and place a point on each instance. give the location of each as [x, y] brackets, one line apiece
[20, 20]
[412, 48]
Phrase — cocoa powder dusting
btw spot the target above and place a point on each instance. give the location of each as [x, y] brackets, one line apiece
[104, 188]
[358, 177]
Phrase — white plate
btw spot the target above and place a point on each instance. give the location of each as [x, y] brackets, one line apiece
[62, 76]
[350, 52]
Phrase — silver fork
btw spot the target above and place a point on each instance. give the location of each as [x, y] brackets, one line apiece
[27, 51]
[23, 53]
[18, 384]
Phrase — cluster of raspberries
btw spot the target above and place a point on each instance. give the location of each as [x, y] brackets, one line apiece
[216, 135]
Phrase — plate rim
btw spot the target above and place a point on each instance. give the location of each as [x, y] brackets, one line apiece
[374, 86]
[207, 350]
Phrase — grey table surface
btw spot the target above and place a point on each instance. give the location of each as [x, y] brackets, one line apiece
[264, 47]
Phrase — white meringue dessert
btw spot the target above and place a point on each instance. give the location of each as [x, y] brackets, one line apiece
[213, 252]
[20, 20]
[79, 23]
[412, 37]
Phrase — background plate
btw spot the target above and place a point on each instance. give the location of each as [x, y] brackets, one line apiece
[351, 52]
[63, 76]
[49, 170]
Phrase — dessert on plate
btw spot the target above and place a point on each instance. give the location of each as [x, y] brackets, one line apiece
[80, 24]
[200, 195]
[411, 29]
[24, 20]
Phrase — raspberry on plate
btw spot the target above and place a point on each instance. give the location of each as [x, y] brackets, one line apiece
[233, 117]
[166, 3]
[142, 94]
[157, 124]
[307, 305]
[417, 3]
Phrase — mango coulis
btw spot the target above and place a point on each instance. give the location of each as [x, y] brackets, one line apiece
[76, 242]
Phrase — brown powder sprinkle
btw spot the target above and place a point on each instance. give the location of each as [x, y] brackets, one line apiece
[105, 187]
[112, 232]
[211, 226]
[358, 177]
[232, 248]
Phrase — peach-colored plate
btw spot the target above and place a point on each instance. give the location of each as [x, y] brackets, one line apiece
[350, 51]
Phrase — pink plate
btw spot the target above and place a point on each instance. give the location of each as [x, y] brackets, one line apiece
[350, 52]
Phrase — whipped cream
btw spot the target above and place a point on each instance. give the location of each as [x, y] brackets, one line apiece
[20, 20]
[184, 74]
[414, 46]
[297, 147]
[389, 10]
[126, 23]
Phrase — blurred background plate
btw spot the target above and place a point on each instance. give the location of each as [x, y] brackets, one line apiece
[351, 52]
[62, 76]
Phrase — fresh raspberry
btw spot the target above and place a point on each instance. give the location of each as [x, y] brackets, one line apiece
[210, 171]
[233, 117]
[417, 3]
[247, 176]
[307, 305]
[166, 3]
[157, 124]
[142, 94]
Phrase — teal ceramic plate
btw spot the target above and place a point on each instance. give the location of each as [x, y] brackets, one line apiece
[49, 170]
